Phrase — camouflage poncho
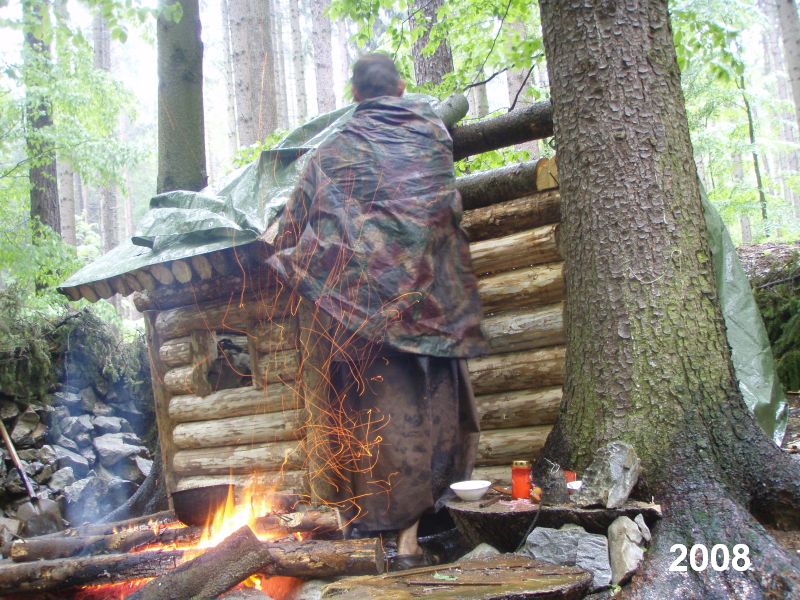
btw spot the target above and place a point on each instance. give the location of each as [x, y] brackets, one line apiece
[371, 233]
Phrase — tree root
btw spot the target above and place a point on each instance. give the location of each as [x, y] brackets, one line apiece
[710, 517]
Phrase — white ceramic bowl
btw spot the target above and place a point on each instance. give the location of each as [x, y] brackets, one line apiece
[473, 489]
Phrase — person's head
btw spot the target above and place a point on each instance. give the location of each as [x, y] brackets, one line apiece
[375, 75]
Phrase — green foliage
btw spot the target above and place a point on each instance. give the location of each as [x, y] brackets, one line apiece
[778, 298]
[248, 154]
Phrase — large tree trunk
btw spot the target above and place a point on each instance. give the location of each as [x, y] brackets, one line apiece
[323, 60]
[279, 64]
[233, 143]
[181, 133]
[109, 202]
[253, 68]
[66, 190]
[429, 68]
[298, 62]
[647, 359]
[790, 35]
[42, 171]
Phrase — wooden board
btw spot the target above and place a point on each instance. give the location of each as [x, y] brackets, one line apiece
[495, 578]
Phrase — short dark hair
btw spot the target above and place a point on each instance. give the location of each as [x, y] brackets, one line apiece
[375, 75]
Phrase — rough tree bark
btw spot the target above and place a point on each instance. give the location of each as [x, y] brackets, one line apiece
[429, 68]
[109, 202]
[323, 61]
[790, 36]
[42, 170]
[181, 135]
[647, 360]
[298, 62]
[518, 86]
[279, 65]
[66, 191]
[253, 65]
[233, 143]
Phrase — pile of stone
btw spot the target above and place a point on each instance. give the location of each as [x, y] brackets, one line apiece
[79, 449]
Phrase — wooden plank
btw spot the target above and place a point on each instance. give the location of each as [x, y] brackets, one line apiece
[284, 481]
[523, 288]
[522, 249]
[534, 210]
[525, 329]
[519, 408]
[235, 402]
[239, 459]
[530, 369]
[501, 446]
[236, 431]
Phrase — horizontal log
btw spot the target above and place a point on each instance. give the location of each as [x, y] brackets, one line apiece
[497, 185]
[524, 288]
[525, 329]
[227, 316]
[145, 279]
[275, 335]
[285, 481]
[234, 402]
[528, 212]
[119, 286]
[501, 446]
[238, 459]
[531, 369]
[165, 297]
[192, 379]
[519, 408]
[222, 262]
[146, 521]
[500, 474]
[162, 274]
[522, 249]
[532, 122]
[133, 282]
[235, 431]
[546, 174]
[177, 352]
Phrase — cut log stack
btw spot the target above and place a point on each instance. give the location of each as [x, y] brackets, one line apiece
[513, 232]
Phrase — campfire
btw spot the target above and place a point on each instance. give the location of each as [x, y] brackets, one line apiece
[257, 538]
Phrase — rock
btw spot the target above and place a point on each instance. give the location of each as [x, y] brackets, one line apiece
[23, 432]
[14, 484]
[610, 478]
[133, 468]
[554, 487]
[68, 399]
[75, 426]
[86, 499]
[8, 410]
[113, 447]
[108, 424]
[310, 590]
[101, 409]
[625, 549]
[88, 399]
[480, 552]
[571, 547]
[83, 440]
[87, 452]
[44, 474]
[67, 443]
[61, 479]
[68, 458]
[643, 528]
[44, 517]
[11, 525]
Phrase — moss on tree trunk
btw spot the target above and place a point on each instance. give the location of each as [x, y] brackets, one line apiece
[647, 358]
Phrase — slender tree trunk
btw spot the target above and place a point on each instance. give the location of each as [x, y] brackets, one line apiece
[429, 68]
[323, 61]
[279, 63]
[253, 68]
[233, 142]
[647, 357]
[109, 202]
[66, 190]
[790, 36]
[480, 97]
[42, 170]
[751, 129]
[181, 132]
[517, 88]
[298, 62]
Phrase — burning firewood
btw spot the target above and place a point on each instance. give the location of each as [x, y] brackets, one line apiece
[242, 554]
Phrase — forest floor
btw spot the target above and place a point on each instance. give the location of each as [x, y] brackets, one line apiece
[791, 539]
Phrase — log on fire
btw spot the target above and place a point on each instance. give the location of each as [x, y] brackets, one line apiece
[242, 554]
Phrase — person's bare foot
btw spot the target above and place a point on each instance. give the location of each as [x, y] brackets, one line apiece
[407, 543]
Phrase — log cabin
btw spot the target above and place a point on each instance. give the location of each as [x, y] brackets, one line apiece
[236, 367]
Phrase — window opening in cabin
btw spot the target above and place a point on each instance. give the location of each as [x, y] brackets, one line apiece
[231, 369]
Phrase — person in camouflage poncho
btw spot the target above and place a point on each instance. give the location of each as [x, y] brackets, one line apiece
[371, 236]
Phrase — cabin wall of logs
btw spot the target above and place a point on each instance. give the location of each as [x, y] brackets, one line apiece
[255, 426]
